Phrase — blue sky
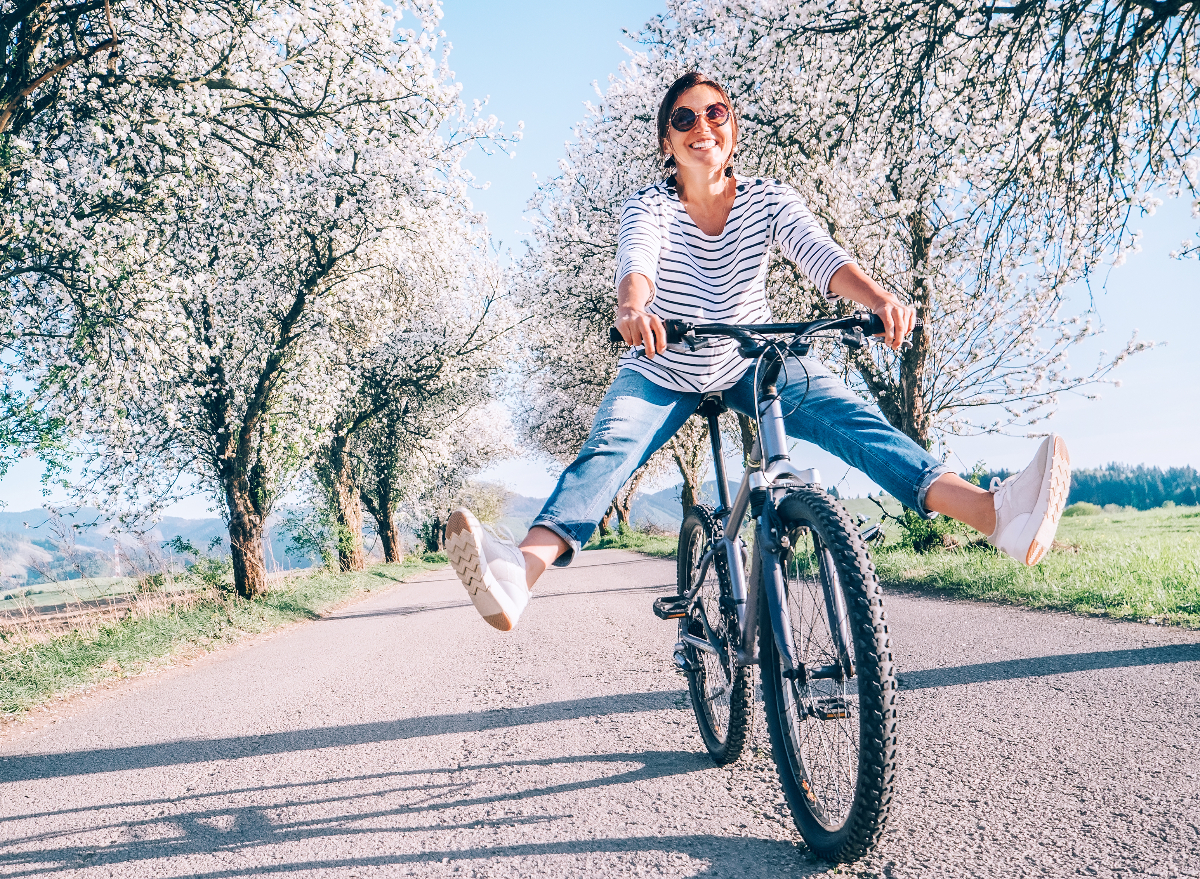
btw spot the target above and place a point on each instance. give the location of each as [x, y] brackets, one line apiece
[1153, 418]
[537, 62]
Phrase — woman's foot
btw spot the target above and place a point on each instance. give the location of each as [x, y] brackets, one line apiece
[491, 568]
[1029, 504]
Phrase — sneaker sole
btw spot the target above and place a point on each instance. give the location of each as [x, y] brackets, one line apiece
[1060, 487]
[463, 551]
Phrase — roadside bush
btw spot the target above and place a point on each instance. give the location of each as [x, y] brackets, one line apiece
[1083, 508]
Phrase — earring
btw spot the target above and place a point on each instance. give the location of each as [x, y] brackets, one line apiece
[728, 171]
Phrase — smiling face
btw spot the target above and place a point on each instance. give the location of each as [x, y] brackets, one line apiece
[706, 147]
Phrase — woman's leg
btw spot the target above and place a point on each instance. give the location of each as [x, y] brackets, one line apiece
[635, 419]
[541, 547]
[1019, 518]
[818, 408]
[953, 496]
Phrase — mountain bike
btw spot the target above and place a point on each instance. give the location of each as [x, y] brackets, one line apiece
[802, 602]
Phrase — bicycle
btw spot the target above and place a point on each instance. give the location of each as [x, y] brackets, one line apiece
[809, 613]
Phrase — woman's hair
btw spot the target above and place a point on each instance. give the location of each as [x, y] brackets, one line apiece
[689, 80]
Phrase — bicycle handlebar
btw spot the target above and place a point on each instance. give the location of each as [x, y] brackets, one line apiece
[678, 331]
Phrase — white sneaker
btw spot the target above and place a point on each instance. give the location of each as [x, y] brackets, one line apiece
[1029, 504]
[491, 568]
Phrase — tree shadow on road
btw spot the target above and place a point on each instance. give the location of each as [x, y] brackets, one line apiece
[87, 762]
[1044, 666]
[360, 814]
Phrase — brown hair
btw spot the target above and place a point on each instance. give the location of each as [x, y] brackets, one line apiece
[689, 80]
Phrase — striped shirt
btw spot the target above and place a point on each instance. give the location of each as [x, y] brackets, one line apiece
[716, 278]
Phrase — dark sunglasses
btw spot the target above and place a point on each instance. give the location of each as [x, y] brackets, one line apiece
[684, 118]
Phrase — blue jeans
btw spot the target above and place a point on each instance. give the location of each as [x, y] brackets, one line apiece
[638, 417]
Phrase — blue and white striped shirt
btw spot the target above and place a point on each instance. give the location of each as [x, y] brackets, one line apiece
[717, 278]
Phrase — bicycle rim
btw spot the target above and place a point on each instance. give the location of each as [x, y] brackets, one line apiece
[719, 690]
[822, 715]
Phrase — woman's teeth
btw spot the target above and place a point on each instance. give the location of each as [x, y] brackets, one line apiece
[704, 145]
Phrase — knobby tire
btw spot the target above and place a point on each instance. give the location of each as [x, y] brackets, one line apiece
[834, 825]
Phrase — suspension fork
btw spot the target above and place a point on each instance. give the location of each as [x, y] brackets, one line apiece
[766, 548]
[835, 611]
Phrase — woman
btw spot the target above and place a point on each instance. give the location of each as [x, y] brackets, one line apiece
[695, 247]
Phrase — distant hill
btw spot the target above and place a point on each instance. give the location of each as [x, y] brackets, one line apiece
[35, 546]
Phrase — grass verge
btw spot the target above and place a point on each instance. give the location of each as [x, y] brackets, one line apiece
[661, 546]
[1134, 565]
[150, 634]
[1130, 564]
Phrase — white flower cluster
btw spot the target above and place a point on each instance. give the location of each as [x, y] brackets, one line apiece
[956, 153]
[205, 246]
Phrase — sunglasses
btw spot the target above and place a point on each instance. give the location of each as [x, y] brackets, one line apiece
[684, 118]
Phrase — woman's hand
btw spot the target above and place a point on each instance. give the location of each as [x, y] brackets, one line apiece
[854, 284]
[638, 327]
[898, 321]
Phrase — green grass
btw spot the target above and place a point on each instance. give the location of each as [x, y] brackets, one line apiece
[661, 546]
[33, 669]
[1135, 565]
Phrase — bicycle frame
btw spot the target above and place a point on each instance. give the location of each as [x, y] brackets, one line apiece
[769, 474]
[764, 481]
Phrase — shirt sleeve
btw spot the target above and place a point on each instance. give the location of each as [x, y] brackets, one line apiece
[639, 241]
[805, 242]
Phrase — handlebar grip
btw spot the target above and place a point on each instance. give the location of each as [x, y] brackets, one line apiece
[875, 326]
[676, 330]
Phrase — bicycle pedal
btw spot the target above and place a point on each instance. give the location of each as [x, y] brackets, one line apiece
[670, 607]
[831, 708]
[682, 663]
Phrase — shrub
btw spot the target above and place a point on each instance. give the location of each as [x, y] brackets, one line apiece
[1083, 508]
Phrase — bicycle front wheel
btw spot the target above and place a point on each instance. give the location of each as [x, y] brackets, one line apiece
[719, 688]
[832, 724]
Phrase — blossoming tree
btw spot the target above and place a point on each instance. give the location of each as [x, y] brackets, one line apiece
[193, 327]
[931, 181]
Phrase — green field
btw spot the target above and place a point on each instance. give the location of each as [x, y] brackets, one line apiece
[658, 545]
[34, 668]
[1128, 564]
[1137, 565]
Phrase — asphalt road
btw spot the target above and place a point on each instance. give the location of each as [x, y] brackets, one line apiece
[404, 737]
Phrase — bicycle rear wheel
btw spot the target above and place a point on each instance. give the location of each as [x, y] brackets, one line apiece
[833, 727]
[719, 689]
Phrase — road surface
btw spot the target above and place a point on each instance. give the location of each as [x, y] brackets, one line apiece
[401, 736]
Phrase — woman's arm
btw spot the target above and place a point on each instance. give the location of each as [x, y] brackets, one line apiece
[851, 282]
[636, 325]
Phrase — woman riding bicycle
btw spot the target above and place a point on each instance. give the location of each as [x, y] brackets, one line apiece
[695, 247]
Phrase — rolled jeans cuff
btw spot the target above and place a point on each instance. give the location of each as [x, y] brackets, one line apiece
[932, 475]
[573, 545]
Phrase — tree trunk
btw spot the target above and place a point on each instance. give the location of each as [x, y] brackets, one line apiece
[382, 507]
[604, 526]
[623, 502]
[337, 474]
[689, 448]
[905, 403]
[351, 555]
[435, 536]
[245, 540]
[915, 419]
[389, 536]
